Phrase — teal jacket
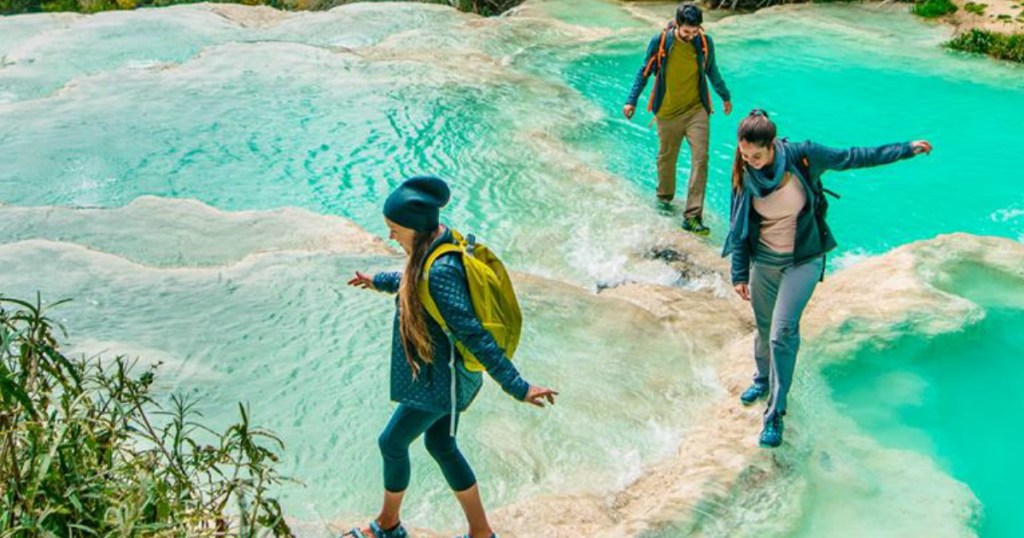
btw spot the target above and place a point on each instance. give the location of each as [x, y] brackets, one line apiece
[813, 236]
[432, 390]
[709, 70]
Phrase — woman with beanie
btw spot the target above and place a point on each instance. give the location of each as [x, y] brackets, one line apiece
[431, 396]
[778, 238]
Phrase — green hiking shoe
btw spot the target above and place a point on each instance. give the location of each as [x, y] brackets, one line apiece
[695, 226]
[664, 207]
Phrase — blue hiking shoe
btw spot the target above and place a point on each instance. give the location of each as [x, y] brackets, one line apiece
[398, 531]
[695, 226]
[754, 393]
[771, 435]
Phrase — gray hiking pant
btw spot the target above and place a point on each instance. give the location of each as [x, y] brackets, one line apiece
[779, 292]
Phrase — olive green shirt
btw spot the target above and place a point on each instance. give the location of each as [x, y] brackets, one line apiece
[681, 92]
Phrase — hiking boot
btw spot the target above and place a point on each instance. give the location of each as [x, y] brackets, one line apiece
[754, 393]
[771, 435]
[664, 207]
[695, 226]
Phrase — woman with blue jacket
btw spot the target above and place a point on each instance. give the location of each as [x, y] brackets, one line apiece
[428, 378]
[778, 238]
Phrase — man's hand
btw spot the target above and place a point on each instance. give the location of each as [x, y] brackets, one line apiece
[628, 111]
[728, 107]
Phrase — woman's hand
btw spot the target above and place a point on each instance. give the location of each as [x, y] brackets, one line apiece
[743, 290]
[921, 146]
[536, 396]
[362, 281]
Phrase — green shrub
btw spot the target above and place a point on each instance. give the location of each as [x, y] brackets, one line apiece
[61, 5]
[1010, 48]
[12, 7]
[1004, 47]
[931, 9]
[977, 9]
[975, 40]
[86, 450]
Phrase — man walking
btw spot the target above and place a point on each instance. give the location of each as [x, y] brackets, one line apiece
[681, 103]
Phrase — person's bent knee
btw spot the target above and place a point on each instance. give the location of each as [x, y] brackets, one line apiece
[440, 447]
[388, 447]
[785, 332]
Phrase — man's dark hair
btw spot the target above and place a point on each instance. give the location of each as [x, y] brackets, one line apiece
[689, 15]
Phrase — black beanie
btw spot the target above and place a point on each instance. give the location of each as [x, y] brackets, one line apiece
[416, 203]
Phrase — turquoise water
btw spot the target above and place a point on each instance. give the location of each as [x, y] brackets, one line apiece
[952, 397]
[326, 112]
[845, 79]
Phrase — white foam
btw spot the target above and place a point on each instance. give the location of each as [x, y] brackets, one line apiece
[849, 258]
[1006, 215]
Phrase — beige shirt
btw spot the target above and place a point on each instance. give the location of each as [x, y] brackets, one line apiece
[778, 213]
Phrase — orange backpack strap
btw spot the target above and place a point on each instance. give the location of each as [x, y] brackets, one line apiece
[652, 63]
[805, 167]
[704, 67]
[658, 55]
[704, 47]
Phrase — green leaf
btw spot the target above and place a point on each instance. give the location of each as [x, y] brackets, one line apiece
[11, 391]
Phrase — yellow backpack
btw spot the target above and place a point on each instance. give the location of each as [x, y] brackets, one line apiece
[490, 290]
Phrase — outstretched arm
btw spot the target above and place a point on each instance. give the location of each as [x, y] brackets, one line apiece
[387, 281]
[826, 158]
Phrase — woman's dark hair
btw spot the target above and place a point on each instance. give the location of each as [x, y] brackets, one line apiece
[412, 324]
[756, 129]
[689, 15]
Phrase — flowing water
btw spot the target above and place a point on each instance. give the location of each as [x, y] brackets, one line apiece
[279, 124]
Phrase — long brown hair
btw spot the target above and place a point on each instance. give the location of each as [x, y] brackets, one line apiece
[756, 128]
[412, 323]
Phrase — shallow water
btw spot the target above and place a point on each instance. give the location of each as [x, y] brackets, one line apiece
[326, 112]
[951, 397]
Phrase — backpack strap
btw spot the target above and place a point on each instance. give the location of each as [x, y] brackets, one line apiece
[704, 67]
[805, 169]
[428, 301]
[652, 62]
[431, 307]
[704, 47]
[653, 65]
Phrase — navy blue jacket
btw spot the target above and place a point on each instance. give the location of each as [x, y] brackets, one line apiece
[710, 71]
[431, 390]
[813, 239]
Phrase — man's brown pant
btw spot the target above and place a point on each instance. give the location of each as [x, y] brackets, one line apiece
[692, 126]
